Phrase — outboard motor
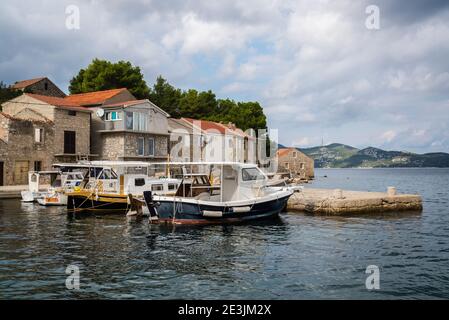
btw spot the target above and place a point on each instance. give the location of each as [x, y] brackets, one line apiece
[151, 205]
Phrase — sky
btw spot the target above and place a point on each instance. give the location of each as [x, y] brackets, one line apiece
[324, 71]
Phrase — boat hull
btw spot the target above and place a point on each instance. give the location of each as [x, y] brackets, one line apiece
[97, 205]
[180, 212]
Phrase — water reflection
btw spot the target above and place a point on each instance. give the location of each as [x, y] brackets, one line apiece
[295, 256]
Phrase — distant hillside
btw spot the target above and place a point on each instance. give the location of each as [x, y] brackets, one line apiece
[343, 156]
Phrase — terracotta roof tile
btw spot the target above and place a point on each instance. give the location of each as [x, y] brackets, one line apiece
[284, 151]
[206, 125]
[25, 83]
[58, 102]
[125, 103]
[93, 98]
[10, 117]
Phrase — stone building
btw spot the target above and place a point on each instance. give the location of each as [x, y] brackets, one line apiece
[42, 86]
[293, 161]
[37, 131]
[130, 130]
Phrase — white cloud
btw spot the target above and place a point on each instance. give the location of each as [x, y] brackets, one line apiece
[312, 64]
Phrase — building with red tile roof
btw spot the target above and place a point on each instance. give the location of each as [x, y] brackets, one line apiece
[296, 163]
[98, 98]
[42, 86]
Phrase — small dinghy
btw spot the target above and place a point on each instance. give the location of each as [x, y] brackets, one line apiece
[219, 193]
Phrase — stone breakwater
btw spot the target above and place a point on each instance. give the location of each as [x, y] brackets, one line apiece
[340, 202]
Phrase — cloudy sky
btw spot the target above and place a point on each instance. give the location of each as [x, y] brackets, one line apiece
[317, 69]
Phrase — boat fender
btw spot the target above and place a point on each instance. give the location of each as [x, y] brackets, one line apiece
[213, 214]
[241, 209]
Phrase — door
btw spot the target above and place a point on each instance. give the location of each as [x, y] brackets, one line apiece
[21, 169]
[1, 173]
[69, 142]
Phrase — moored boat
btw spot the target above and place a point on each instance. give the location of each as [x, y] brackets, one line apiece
[239, 192]
[113, 188]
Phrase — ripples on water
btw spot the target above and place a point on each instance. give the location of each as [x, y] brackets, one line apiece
[293, 257]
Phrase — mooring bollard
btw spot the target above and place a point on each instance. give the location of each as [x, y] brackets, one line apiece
[391, 191]
[338, 194]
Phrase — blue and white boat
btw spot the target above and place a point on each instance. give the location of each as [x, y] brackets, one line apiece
[218, 193]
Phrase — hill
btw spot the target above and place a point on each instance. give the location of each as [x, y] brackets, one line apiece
[338, 155]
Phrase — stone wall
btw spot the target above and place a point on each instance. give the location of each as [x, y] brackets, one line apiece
[20, 146]
[123, 146]
[45, 87]
[17, 106]
[300, 166]
[80, 123]
[344, 202]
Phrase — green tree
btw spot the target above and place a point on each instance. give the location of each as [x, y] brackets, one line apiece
[166, 96]
[7, 93]
[207, 104]
[188, 104]
[104, 75]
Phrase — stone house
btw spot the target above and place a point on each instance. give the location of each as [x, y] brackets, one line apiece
[293, 161]
[42, 86]
[130, 130]
[37, 131]
[124, 128]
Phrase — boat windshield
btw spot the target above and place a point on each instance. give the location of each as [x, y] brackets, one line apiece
[250, 174]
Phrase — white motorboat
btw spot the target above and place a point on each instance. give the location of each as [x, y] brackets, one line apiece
[219, 192]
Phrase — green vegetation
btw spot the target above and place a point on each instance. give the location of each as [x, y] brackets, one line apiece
[103, 75]
[7, 93]
[342, 156]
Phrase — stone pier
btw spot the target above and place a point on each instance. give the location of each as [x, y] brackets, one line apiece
[341, 202]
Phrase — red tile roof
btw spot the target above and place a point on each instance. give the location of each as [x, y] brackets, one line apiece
[125, 103]
[10, 117]
[206, 125]
[58, 102]
[284, 151]
[93, 98]
[25, 83]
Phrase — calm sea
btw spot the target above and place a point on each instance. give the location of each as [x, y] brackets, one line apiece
[294, 257]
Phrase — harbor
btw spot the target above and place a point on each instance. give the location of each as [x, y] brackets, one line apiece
[297, 255]
[321, 201]
[346, 202]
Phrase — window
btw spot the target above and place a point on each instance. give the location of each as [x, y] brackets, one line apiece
[46, 86]
[302, 166]
[129, 120]
[37, 165]
[287, 165]
[94, 172]
[112, 116]
[252, 174]
[72, 113]
[139, 182]
[39, 135]
[172, 186]
[107, 174]
[140, 146]
[70, 142]
[295, 154]
[151, 146]
[140, 121]
[157, 187]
